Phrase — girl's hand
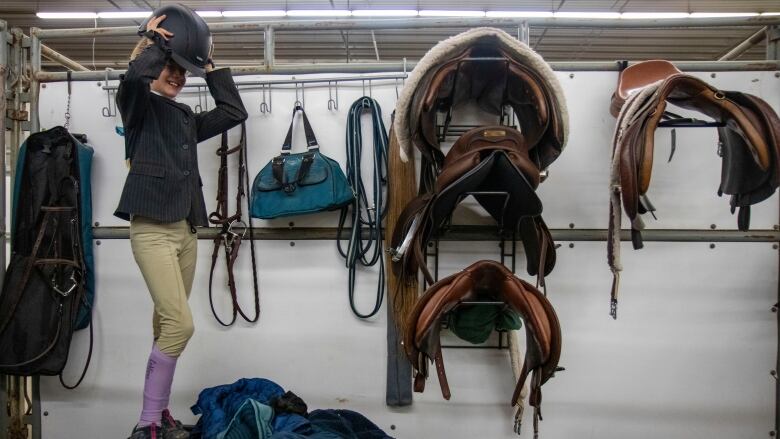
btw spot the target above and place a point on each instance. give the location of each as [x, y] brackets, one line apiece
[152, 26]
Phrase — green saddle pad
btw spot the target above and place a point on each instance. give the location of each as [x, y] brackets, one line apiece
[474, 323]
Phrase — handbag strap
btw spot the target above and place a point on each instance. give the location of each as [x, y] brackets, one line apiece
[311, 141]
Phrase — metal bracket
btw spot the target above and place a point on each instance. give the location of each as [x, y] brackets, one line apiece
[18, 115]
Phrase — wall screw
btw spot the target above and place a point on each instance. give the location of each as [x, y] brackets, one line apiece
[291, 224]
[774, 246]
[46, 413]
[713, 226]
[43, 85]
[97, 224]
[97, 242]
[712, 75]
[392, 426]
[99, 84]
[712, 245]
[571, 225]
[571, 75]
[571, 245]
[292, 243]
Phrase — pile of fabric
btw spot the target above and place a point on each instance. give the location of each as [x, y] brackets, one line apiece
[258, 408]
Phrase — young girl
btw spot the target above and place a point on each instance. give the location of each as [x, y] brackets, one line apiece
[163, 200]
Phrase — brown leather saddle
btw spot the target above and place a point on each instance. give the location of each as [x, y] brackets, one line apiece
[748, 144]
[489, 74]
[486, 280]
[492, 164]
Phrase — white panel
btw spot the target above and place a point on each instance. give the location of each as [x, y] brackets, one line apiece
[689, 356]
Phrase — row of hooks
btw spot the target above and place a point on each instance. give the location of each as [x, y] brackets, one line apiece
[266, 87]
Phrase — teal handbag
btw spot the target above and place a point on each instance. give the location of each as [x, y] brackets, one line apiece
[296, 184]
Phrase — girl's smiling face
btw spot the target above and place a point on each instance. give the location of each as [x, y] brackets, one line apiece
[171, 80]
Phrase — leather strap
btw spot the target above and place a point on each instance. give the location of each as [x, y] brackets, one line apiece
[228, 238]
[311, 140]
[364, 213]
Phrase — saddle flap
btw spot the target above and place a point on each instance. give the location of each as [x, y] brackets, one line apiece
[291, 164]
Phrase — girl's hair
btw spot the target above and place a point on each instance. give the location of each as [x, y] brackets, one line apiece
[142, 44]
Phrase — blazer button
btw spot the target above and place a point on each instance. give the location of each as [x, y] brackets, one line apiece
[186, 121]
[185, 146]
[186, 173]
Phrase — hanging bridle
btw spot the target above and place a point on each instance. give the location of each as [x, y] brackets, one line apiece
[233, 227]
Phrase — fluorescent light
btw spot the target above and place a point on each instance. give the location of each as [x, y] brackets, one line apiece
[123, 14]
[267, 13]
[67, 15]
[651, 15]
[385, 13]
[722, 14]
[769, 14]
[319, 13]
[590, 15]
[209, 14]
[442, 13]
[519, 14]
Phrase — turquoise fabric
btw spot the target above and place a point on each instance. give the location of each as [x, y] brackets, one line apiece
[251, 421]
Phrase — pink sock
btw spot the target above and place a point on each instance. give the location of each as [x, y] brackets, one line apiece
[157, 387]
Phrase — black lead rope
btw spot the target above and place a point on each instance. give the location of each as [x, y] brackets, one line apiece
[364, 214]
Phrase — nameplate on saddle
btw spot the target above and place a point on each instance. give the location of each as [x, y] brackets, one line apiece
[494, 133]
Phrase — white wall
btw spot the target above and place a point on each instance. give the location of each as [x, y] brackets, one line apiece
[689, 356]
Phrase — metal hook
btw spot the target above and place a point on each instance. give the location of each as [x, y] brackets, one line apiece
[370, 89]
[265, 107]
[199, 106]
[203, 99]
[302, 99]
[107, 110]
[363, 83]
[333, 104]
[396, 88]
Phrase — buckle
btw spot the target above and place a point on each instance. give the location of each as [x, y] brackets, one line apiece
[64, 293]
[229, 236]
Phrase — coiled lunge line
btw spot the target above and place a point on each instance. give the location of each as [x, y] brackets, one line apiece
[365, 248]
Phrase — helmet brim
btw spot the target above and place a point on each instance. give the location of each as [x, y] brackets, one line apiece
[190, 67]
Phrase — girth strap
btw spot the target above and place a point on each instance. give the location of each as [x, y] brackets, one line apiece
[228, 238]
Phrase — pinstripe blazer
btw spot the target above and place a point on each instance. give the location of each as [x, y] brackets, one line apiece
[160, 140]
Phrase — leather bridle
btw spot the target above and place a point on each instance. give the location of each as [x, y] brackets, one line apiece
[233, 228]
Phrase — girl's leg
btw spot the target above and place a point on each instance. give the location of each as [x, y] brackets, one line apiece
[157, 248]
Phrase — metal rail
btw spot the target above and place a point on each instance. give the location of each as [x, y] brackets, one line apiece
[4, 61]
[480, 233]
[273, 82]
[61, 59]
[390, 67]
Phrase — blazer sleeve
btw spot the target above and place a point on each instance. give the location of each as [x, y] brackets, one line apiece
[132, 97]
[229, 110]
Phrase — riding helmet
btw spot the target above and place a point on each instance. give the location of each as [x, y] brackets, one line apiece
[191, 40]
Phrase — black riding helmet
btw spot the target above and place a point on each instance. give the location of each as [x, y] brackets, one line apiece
[191, 40]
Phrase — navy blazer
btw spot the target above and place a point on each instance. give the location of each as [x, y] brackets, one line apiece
[160, 138]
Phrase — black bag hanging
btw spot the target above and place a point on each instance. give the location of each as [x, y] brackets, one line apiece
[45, 283]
